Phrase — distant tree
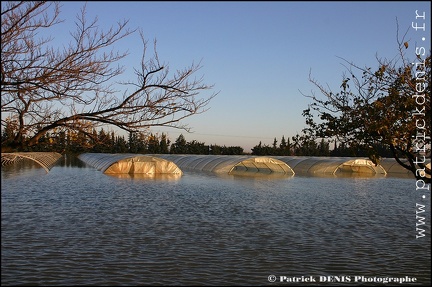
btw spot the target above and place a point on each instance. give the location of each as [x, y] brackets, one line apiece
[179, 146]
[232, 150]
[137, 142]
[120, 145]
[283, 144]
[275, 144]
[216, 149]
[164, 144]
[284, 147]
[77, 142]
[345, 151]
[288, 147]
[265, 149]
[305, 144]
[324, 148]
[257, 150]
[102, 142]
[74, 87]
[195, 147]
[295, 144]
[387, 107]
[153, 145]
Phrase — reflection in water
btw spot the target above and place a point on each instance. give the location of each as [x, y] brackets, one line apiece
[249, 174]
[78, 226]
[21, 168]
[344, 175]
[71, 161]
[146, 176]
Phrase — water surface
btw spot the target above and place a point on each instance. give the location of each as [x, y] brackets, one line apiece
[77, 226]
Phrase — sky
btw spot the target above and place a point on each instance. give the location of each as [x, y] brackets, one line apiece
[258, 55]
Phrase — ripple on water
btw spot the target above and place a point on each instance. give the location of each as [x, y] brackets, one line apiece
[76, 226]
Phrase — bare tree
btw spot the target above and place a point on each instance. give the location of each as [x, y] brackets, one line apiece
[75, 87]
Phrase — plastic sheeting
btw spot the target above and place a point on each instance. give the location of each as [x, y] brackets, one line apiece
[332, 165]
[276, 164]
[302, 165]
[394, 168]
[242, 165]
[229, 164]
[46, 159]
[129, 164]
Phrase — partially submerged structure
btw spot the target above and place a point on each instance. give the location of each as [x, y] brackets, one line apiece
[170, 165]
[45, 159]
[129, 164]
[332, 165]
[288, 165]
[241, 165]
[230, 164]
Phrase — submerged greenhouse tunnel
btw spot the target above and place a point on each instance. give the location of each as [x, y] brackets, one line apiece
[290, 165]
[332, 165]
[241, 165]
[173, 164]
[345, 166]
[230, 164]
[129, 164]
[45, 159]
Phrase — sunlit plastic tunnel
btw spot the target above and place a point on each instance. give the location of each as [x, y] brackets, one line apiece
[333, 166]
[130, 164]
[231, 164]
[261, 165]
[245, 165]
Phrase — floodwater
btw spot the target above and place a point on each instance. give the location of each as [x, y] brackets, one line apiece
[77, 226]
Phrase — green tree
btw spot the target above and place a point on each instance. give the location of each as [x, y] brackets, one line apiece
[324, 149]
[288, 147]
[196, 147]
[120, 145]
[216, 149]
[284, 147]
[164, 144]
[133, 142]
[258, 149]
[77, 142]
[101, 141]
[232, 150]
[274, 146]
[179, 146]
[153, 145]
[384, 107]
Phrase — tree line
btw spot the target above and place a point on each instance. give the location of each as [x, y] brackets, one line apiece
[304, 145]
[72, 142]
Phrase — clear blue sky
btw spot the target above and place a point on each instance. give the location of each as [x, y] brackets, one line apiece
[259, 54]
